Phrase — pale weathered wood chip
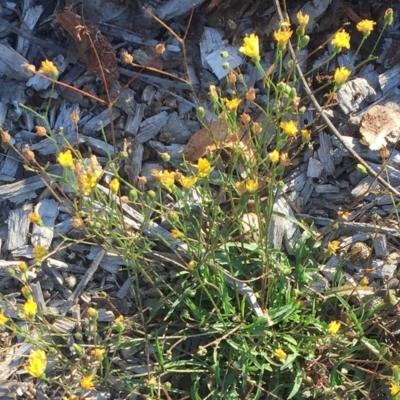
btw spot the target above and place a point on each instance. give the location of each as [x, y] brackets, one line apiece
[48, 212]
[18, 227]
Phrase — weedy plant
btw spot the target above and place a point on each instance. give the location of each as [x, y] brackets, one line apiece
[221, 313]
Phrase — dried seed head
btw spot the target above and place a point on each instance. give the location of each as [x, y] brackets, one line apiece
[5, 136]
[40, 130]
[29, 154]
[126, 57]
[29, 68]
[74, 117]
[160, 48]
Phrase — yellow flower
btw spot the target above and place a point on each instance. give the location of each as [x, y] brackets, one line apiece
[87, 382]
[302, 19]
[341, 40]
[97, 353]
[204, 168]
[394, 389]
[166, 178]
[88, 173]
[366, 26]
[188, 181]
[34, 217]
[114, 185]
[289, 127]
[47, 67]
[282, 36]
[333, 327]
[175, 233]
[36, 364]
[251, 47]
[341, 75]
[3, 318]
[65, 159]
[305, 133]
[233, 104]
[273, 156]
[251, 185]
[280, 354]
[30, 308]
[92, 312]
[240, 187]
[333, 246]
[39, 253]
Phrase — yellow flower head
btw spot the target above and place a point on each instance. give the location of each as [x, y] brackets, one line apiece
[47, 67]
[97, 353]
[341, 75]
[92, 312]
[341, 40]
[166, 178]
[273, 156]
[29, 309]
[251, 47]
[175, 233]
[114, 185]
[251, 185]
[366, 26]
[36, 364]
[65, 159]
[280, 354]
[333, 246]
[39, 253]
[333, 327]
[302, 19]
[289, 127]
[87, 382]
[34, 217]
[88, 173]
[3, 318]
[188, 181]
[282, 36]
[233, 104]
[394, 389]
[305, 133]
[204, 168]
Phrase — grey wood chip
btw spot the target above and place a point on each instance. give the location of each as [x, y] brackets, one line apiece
[100, 121]
[43, 235]
[125, 98]
[325, 153]
[315, 168]
[282, 230]
[133, 121]
[151, 127]
[323, 189]
[133, 164]
[380, 246]
[18, 227]
[174, 8]
[11, 64]
[9, 165]
[82, 284]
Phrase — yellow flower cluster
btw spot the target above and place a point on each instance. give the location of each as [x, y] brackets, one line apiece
[341, 40]
[341, 75]
[246, 186]
[36, 364]
[366, 26]
[47, 67]
[333, 327]
[289, 128]
[251, 47]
